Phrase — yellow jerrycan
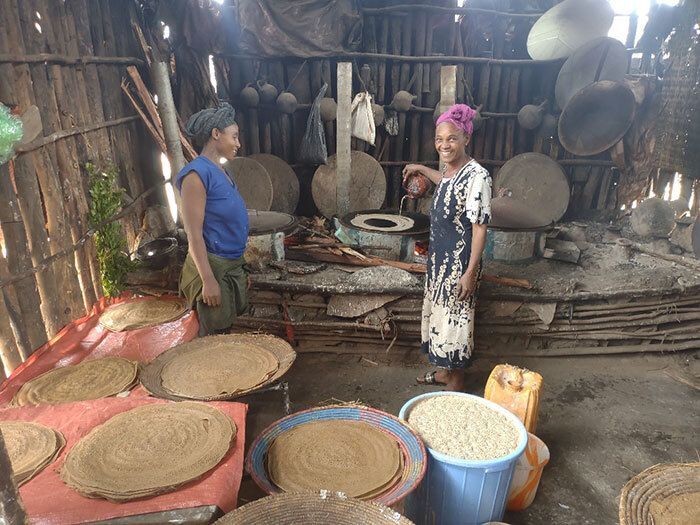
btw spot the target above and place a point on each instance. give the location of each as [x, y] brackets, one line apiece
[518, 390]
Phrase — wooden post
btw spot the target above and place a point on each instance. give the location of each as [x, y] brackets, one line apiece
[11, 509]
[343, 138]
[171, 129]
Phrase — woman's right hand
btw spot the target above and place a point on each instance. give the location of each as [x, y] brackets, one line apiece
[211, 292]
[412, 169]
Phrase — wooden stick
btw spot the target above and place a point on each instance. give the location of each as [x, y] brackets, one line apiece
[445, 10]
[408, 58]
[685, 261]
[51, 58]
[58, 135]
[10, 501]
[343, 168]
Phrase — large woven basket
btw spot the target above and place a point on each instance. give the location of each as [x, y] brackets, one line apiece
[643, 496]
[312, 508]
[412, 448]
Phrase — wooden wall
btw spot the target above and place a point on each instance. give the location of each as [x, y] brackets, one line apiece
[494, 71]
[44, 195]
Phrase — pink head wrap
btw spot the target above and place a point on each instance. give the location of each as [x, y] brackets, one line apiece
[460, 115]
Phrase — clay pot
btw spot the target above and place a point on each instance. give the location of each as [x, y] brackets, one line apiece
[287, 102]
[329, 109]
[268, 92]
[416, 186]
[249, 96]
[548, 128]
[530, 116]
[402, 101]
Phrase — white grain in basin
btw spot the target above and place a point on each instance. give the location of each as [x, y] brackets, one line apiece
[462, 428]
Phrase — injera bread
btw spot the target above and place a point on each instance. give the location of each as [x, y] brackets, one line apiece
[151, 378]
[92, 379]
[143, 313]
[148, 450]
[213, 367]
[312, 508]
[400, 222]
[344, 456]
[31, 447]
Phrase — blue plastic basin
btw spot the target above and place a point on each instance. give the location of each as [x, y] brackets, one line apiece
[458, 491]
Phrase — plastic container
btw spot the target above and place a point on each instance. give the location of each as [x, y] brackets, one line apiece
[528, 471]
[458, 491]
[517, 390]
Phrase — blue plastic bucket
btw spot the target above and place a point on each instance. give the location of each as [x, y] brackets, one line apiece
[458, 491]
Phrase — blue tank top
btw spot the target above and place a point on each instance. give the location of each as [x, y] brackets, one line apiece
[225, 227]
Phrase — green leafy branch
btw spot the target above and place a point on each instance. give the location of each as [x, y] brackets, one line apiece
[105, 202]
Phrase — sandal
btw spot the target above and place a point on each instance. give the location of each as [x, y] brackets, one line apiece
[429, 379]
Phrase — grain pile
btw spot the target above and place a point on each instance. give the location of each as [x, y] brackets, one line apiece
[463, 428]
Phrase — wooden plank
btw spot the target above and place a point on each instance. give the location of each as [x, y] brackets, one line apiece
[54, 58]
[343, 137]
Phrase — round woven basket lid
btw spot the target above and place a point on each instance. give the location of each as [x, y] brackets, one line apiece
[602, 58]
[664, 494]
[253, 182]
[538, 182]
[31, 447]
[312, 508]
[190, 370]
[91, 379]
[142, 313]
[285, 184]
[367, 184]
[567, 26]
[148, 450]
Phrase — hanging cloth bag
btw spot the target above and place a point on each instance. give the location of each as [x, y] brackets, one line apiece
[362, 118]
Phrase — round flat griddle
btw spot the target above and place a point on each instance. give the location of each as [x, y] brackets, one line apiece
[539, 183]
[380, 221]
[596, 117]
[267, 222]
[285, 184]
[253, 182]
[603, 58]
[567, 26]
[367, 184]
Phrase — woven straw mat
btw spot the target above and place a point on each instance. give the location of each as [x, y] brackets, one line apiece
[142, 313]
[218, 367]
[345, 456]
[666, 494]
[148, 450]
[312, 508]
[31, 447]
[92, 379]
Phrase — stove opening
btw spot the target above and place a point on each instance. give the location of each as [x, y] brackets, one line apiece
[381, 223]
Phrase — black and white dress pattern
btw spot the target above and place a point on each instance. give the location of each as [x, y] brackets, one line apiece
[447, 323]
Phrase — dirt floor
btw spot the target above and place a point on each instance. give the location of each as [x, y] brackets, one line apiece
[604, 419]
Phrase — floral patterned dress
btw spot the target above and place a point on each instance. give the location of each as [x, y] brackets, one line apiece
[447, 323]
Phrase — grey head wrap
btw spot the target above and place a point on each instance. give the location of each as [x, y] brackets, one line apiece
[200, 125]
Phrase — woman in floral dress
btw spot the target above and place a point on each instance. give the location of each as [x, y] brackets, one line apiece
[460, 212]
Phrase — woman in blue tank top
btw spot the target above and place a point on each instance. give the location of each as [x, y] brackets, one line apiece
[213, 277]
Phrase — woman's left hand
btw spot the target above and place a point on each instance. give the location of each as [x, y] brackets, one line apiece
[466, 285]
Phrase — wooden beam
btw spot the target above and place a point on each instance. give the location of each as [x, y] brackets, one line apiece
[11, 508]
[445, 11]
[343, 120]
[51, 58]
[403, 58]
[58, 135]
